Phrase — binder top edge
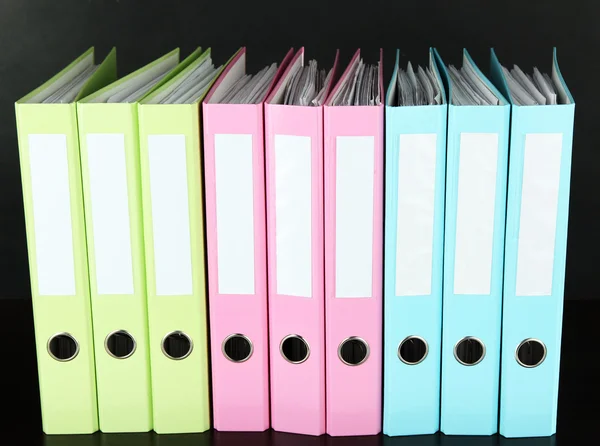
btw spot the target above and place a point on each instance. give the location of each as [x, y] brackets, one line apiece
[393, 82]
[498, 74]
[196, 59]
[173, 54]
[486, 81]
[85, 59]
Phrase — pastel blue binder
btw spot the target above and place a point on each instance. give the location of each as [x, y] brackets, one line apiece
[535, 256]
[476, 170]
[414, 237]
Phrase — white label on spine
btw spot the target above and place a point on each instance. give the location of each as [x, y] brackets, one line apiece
[354, 181]
[477, 170]
[51, 197]
[539, 209]
[107, 171]
[416, 203]
[170, 215]
[293, 215]
[235, 213]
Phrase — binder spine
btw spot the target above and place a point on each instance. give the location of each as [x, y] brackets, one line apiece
[353, 268]
[473, 268]
[537, 215]
[175, 271]
[52, 197]
[294, 172]
[414, 234]
[237, 265]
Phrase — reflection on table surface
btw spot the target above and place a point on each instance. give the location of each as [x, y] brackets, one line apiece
[271, 438]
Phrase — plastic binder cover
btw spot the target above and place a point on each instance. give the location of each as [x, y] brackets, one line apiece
[476, 170]
[353, 262]
[110, 163]
[170, 155]
[415, 180]
[535, 256]
[52, 196]
[295, 252]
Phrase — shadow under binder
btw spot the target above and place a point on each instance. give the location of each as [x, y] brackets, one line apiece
[201, 439]
[414, 440]
[73, 440]
[537, 441]
[286, 439]
[101, 439]
[133, 439]
[359, 440]
[460, 440]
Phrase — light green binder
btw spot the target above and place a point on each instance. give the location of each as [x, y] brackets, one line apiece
[54, 216]
[171, 160]
[108, 133]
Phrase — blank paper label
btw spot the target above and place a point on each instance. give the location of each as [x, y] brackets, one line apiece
[539, 207]
[416, 202]
[293, 215]
[478, 160]
[170, 215]
[107, 171]
[49, 167]
[235, 213]
[354, 178]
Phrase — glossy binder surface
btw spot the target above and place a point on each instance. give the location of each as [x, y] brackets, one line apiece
[535, 257]
[415, 179]
[353, 261]
[295, 252]
[477, 153]
[49, 155]
[234, 181]
[170, 154]
[110, 161]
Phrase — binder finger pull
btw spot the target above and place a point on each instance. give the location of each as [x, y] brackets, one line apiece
[177, 345]
[120, 344]
[237, 348]
[469, 351]
[413, 350]
[63, 347]
[294, 349]
[353, 351]
[530, 353]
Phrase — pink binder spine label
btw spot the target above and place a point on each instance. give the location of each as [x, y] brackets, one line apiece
[296, 298]
[353, 265]
[236, 250]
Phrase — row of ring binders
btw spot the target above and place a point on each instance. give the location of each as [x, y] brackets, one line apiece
[337, 278]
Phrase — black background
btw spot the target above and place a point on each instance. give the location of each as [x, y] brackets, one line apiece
[40, 37]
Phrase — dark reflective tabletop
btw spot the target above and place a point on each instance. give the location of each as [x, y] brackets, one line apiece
[271, 438]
